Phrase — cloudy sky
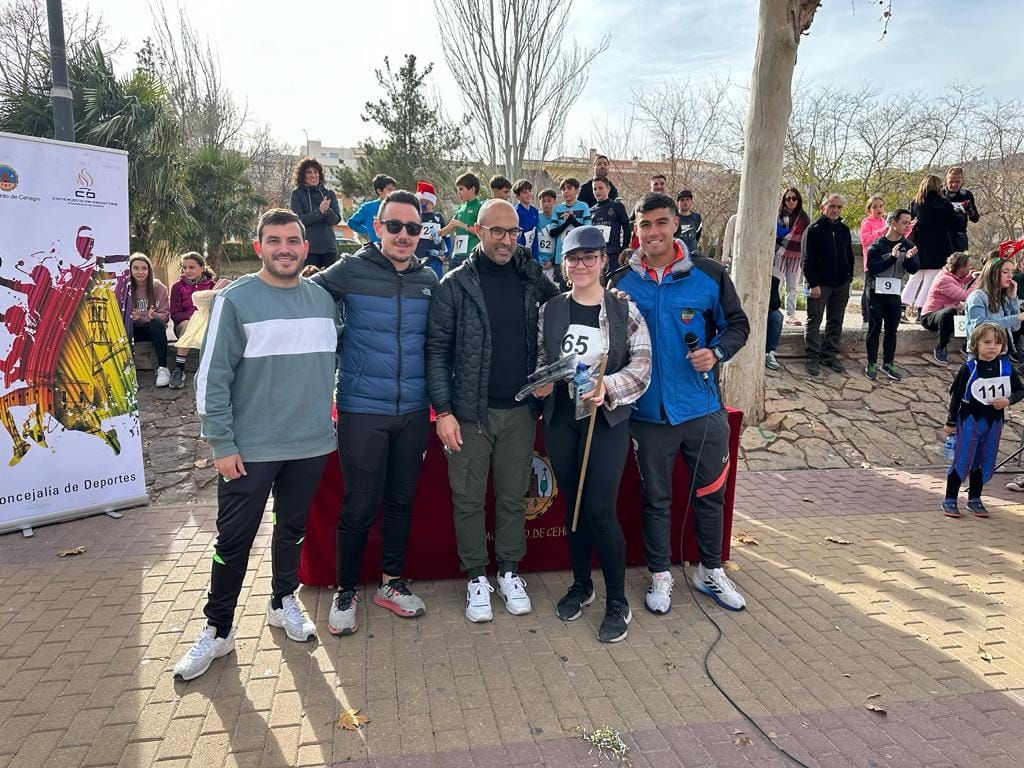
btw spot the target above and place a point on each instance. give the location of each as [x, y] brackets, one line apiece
[309, 66]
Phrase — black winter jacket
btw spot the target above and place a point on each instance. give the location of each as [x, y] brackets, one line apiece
[305, 203]
[827, 253]
[459, 335]
[937, 225]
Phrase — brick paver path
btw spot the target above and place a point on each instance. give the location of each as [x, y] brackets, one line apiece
[921, 610]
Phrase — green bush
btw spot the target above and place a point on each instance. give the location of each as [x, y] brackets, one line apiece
[237, 251]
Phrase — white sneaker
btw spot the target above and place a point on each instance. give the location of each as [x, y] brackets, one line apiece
[1017, 484]
[659, 595]
[714, 582]
[478, 600]
[292, 619]
[513, 589]
[343, 613]
[163, 377]
[771, 362]
[204, 650]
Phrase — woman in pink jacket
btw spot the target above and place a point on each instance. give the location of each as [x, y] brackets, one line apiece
[150, 310]
[872, 227]
[196, 275]
[946, 300]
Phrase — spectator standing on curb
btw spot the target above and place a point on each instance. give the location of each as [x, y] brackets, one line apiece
[691, 223]
[936, 223]
[317, 207]
[528, 216]
[362, 220]
[872, 227]
[790, 226]
[827, 254]
[774, 327]
[890, 258]
[264, 437]
[963, 203]
[478, 358]
[383, 292]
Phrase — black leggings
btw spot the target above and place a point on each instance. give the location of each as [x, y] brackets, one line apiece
[155, 332]
[941, 321]
[884, 311]
[974, 485]
[240, 505]
[598, 526]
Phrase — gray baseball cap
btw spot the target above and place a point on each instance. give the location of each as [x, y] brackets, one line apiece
[583, 239]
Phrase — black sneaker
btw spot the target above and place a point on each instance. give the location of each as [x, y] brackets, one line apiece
[813, 369]
[940, 355]
[177, 378]
[836, 366]
[890, 370]
[871, 371]
[570, 607]
[615, 626]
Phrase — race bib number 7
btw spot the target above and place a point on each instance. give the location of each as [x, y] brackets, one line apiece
[461, 244]
[987, 390]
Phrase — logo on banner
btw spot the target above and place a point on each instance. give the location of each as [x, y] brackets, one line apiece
[8, 178]
[85, 182]
[543, 488]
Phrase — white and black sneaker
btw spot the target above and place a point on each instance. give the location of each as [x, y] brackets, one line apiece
[659, 595]
[615, 625]
[714, 582]
[291, 618]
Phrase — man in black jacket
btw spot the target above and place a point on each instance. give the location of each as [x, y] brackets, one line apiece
[317, 207]
[481, 346]
[601, 166]
[827, 254]
[963, 203]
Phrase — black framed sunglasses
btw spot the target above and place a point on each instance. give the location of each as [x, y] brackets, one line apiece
[394, 226]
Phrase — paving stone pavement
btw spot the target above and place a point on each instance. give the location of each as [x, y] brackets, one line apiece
[917, 614]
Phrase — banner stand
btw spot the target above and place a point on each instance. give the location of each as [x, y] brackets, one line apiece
[70, 436]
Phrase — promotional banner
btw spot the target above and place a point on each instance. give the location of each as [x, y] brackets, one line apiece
[70, 443]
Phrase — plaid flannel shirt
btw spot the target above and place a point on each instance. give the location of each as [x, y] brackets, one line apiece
[628, 384]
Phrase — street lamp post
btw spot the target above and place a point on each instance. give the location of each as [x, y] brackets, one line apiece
[60, 94]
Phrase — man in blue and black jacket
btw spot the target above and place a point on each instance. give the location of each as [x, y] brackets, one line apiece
[681, 412]
[383, 293]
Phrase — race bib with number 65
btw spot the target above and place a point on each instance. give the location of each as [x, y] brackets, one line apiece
[586, 341]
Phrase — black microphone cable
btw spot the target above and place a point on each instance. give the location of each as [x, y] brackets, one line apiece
[682, 534]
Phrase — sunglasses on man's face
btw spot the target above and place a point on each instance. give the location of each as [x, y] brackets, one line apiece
[394, 226]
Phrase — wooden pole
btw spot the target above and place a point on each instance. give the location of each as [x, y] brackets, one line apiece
[586, 447]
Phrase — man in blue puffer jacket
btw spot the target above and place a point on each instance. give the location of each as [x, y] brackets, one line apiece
[383, 294]
[679, 293]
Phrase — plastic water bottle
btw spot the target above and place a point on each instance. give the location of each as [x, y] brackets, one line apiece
[581, 380]
[949, 447]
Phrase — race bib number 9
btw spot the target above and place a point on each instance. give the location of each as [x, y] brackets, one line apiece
[461, 244]
[888, 286]
[987, 390]
[586, 341]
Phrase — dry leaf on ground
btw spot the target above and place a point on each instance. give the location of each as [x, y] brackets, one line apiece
[729, 565]
[772, 736]
[743, 741]
[985, 655]
[746, 538]
[838, 540]
[69, 551]
[351, 720]
[200, 463]
[808, 499]
[875, 708]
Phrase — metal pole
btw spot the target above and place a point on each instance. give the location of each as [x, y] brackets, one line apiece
[60, 94]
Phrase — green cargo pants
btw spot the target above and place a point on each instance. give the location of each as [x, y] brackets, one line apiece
[505, 445]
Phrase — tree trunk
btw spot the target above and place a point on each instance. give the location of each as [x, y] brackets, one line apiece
[779, 27]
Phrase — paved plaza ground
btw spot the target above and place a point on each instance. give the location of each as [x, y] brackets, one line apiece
[918, 614]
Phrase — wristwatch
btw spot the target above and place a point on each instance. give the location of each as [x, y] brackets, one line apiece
[719, 353]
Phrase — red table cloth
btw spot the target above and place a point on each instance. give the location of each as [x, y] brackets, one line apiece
[432, 553]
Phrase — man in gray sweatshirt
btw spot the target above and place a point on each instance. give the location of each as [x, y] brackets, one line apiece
[268, 332]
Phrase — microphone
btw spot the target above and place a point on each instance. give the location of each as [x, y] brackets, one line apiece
[691, 343]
